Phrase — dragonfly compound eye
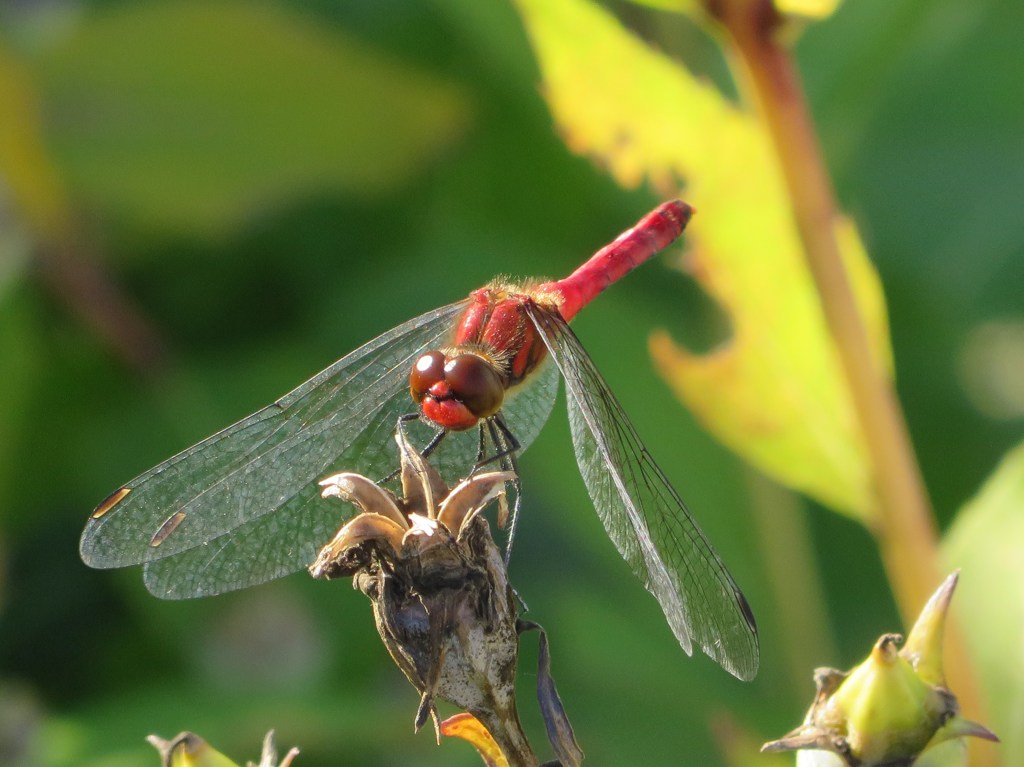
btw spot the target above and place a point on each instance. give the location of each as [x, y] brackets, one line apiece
[475, 383]
[428, 370]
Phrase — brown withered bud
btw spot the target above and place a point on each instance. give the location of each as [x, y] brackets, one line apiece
[441, 598]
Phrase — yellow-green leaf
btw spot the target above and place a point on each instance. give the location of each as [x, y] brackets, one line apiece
[775, 393]
[25, 168]
[682, 6]
[810, 9]
[985, 542]
[196, 114]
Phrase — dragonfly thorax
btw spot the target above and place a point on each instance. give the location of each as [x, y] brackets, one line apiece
[496, 322]
[456, 391]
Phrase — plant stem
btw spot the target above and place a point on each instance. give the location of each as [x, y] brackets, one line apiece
[903, 522]
[779, 517]
[504, 727]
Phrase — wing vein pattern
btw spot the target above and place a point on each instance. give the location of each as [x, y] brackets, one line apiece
[645, 517]
[248, 499]
[249, 493]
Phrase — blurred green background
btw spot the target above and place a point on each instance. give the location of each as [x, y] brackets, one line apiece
[259, 188]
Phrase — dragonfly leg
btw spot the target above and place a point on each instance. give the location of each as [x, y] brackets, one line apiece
[506, 447]
[434, 442]
[505, 444]
[481, 450]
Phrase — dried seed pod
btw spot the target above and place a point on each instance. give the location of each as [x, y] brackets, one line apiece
[441, 598]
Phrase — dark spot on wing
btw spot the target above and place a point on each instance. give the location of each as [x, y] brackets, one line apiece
[748, 613]
[167, 528]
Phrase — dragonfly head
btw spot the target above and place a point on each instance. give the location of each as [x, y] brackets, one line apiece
[456, 392]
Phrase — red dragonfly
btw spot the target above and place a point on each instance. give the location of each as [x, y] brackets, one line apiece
[243, 506]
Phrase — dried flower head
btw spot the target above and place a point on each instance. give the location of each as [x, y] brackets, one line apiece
[891, 707]
[441, 598]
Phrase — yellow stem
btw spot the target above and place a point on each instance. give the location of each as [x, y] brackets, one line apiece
[903, 522]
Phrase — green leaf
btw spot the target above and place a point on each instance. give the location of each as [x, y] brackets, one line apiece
[985, 543]
[187, 114]
[775, 393]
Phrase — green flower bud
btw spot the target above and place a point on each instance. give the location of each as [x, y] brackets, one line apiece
[893, 706]
[189, 750]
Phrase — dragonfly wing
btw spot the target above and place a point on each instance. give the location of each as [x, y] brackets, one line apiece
[273, 545]
[260, 474]
[646, 518]
[267, 547]
[528, 406]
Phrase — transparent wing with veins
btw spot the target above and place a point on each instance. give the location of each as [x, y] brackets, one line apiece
[243, 506]
[645, 517]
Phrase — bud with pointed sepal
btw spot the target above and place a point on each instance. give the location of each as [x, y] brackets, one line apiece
[187, 749]
[891, 707]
